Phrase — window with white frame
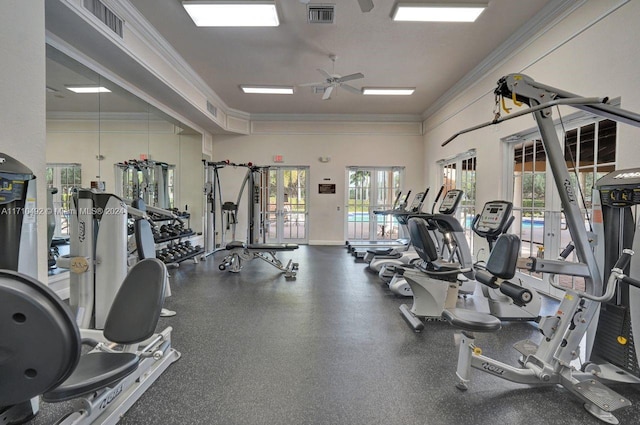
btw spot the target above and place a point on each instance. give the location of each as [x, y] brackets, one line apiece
[590, 153]
[460, 173]
[64, 177]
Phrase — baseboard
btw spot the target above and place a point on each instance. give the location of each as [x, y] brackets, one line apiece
[320, 242]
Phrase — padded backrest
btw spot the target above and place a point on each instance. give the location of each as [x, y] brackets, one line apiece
[421, 239]
[40, 342]
[143, 233]
[144, 239]
[136, 308]
[503, 257]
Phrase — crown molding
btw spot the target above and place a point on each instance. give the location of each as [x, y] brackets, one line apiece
[153, 40]
[551, 14]
[104, 116]
[338, 117]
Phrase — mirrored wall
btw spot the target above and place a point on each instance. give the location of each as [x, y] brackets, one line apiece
[93, 125]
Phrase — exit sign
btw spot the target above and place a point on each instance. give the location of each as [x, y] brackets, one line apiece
[278, 158]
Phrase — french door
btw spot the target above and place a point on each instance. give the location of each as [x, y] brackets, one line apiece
[590, 153]
[371, 189]
[287, 205]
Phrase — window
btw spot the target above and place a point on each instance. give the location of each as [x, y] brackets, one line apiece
[65, 178]
[590, 153]
[460, 173]
[372, 189]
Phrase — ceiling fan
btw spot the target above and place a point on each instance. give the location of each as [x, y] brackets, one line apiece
[333, 81]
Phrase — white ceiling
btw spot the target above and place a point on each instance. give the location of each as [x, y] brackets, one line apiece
[432, 57]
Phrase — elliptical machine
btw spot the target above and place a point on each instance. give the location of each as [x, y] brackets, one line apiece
[446, 243]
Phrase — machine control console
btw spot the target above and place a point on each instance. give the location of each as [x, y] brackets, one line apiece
[450, 201]
[493, 219]
[620, 188]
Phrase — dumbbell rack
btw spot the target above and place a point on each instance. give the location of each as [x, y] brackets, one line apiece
[174, 232]
[179, 247]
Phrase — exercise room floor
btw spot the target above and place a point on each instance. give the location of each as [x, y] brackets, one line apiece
[328, 348]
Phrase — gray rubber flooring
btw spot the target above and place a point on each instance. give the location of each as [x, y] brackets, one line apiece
[328, 348]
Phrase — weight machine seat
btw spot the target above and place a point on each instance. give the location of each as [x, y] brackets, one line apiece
[470, 320]
[133, 318]
[94, 372]
[32, 317]
[272, 247]
[235, 244]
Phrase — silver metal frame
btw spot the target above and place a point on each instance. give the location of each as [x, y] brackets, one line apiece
[550, 362]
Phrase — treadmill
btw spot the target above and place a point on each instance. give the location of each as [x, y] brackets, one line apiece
[359, 249]
[397, 205]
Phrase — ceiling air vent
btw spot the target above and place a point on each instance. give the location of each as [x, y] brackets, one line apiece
[105, 14]
[320, 13]
[211, 108]
[319, 89]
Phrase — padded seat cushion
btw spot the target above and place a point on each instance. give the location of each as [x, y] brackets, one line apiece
[235, 244]
[94, 371]
[470, 320]
[273, 247]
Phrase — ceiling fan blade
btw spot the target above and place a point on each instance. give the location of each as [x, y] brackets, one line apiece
[351, 89]
[351, 77]
[366, 5]
[324, 73]
[327, 93]
[312, 84]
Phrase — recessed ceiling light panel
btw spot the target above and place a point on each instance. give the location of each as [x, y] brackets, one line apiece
[267, 89]
[88, 89]
[388, 91]
[437, 12]
[232, 13]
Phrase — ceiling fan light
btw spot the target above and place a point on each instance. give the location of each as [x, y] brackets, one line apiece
[216, 13]
[388, 91]
[437, 12]
[266, 89]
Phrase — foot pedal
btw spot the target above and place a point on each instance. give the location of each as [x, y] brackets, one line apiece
[600, 395]
[526, 347]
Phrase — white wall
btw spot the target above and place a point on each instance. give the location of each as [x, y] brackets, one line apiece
[593, 52]
[22, 109]
[80, 141]
[302, 143]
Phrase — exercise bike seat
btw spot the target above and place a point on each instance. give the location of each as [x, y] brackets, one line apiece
[470, 320]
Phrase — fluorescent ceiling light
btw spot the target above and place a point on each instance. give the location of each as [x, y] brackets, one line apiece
[266, 90]
[232, 13]
[438, 12]
[88, 89]
[379, 91]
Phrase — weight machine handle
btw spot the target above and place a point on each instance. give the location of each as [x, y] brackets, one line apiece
[631, 281]
[624, 260]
